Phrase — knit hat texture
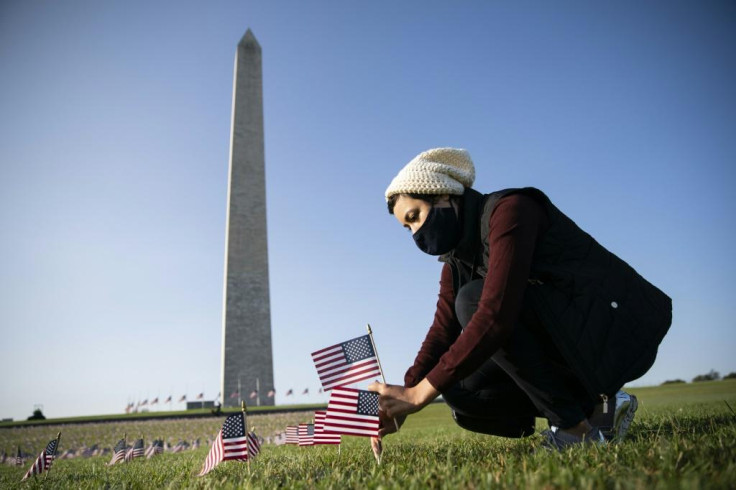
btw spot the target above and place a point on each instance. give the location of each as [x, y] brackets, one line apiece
[435, 171]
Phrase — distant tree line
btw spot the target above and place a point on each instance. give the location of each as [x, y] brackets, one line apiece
[711, 376]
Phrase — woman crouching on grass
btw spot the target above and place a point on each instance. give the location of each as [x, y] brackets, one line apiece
[534, 317]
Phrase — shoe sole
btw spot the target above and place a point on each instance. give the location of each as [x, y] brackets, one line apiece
[621, 426]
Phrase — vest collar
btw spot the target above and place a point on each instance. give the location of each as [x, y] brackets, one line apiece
[470, 245]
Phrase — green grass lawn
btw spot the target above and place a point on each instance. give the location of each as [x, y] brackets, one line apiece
[683, 437]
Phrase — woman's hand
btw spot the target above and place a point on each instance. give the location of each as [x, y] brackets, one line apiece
[398, 402]
[389, 425]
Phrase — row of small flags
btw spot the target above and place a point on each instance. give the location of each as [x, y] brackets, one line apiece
[311, 434]
[350, 411]
[124, 454]
[95, 450]
[131, 406]
[271, 393]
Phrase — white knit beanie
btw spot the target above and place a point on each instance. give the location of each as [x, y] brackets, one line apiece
[435, 171]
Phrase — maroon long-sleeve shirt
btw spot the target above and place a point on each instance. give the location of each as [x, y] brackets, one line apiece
[446, 356]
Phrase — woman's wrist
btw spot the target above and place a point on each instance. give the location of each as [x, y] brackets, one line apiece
[424, 393]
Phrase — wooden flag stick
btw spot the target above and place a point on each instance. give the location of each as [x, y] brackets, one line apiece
[376, 443]
[53, 457]
[245, 428]
[378, 361]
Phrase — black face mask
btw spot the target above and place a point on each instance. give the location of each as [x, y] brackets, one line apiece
[440, 232]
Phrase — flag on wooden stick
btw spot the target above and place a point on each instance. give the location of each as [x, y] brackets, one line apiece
[118, 452]
[254, 445]
[44, 460]
[231, 443]
[352, 412]
[136, 451]
[157, 447]
[346, 363]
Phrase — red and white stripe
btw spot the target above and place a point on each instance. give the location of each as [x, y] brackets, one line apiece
[236, 449]
[214, 457]
[117, 457]
[292, 434]
[320, 436]
[254, 446]
[232, 449]
[42, 463]
[342, 416]
[305, 439]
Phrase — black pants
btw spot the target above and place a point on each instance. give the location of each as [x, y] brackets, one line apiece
[526, 378]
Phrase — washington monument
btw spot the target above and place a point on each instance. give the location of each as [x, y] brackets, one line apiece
[247, 362]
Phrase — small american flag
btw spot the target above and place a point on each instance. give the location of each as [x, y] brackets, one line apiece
[271, 393]
[118, 453]
[346, 363]
[231, 443]
[290, 392]
[154, 401]
[253, 394]
[156, 447]
[19, 458]
[306, 434]
[183, 398]
[234, 394]
[168, 400]
[292, 435]
[180, 446]
[320, 436]
[88, 452]
[44, 460]
[353, 412]
[200, 396]
[136, 451]
[254, 445]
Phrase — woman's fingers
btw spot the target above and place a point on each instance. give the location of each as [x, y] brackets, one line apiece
[377, 387]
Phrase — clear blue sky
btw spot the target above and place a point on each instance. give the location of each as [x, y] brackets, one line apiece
[114, 134]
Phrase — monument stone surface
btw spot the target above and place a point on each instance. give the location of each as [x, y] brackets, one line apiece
[247, 360]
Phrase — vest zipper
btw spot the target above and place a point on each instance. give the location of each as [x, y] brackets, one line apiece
[605, 403]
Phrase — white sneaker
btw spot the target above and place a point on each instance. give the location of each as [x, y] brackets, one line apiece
[626, 406]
